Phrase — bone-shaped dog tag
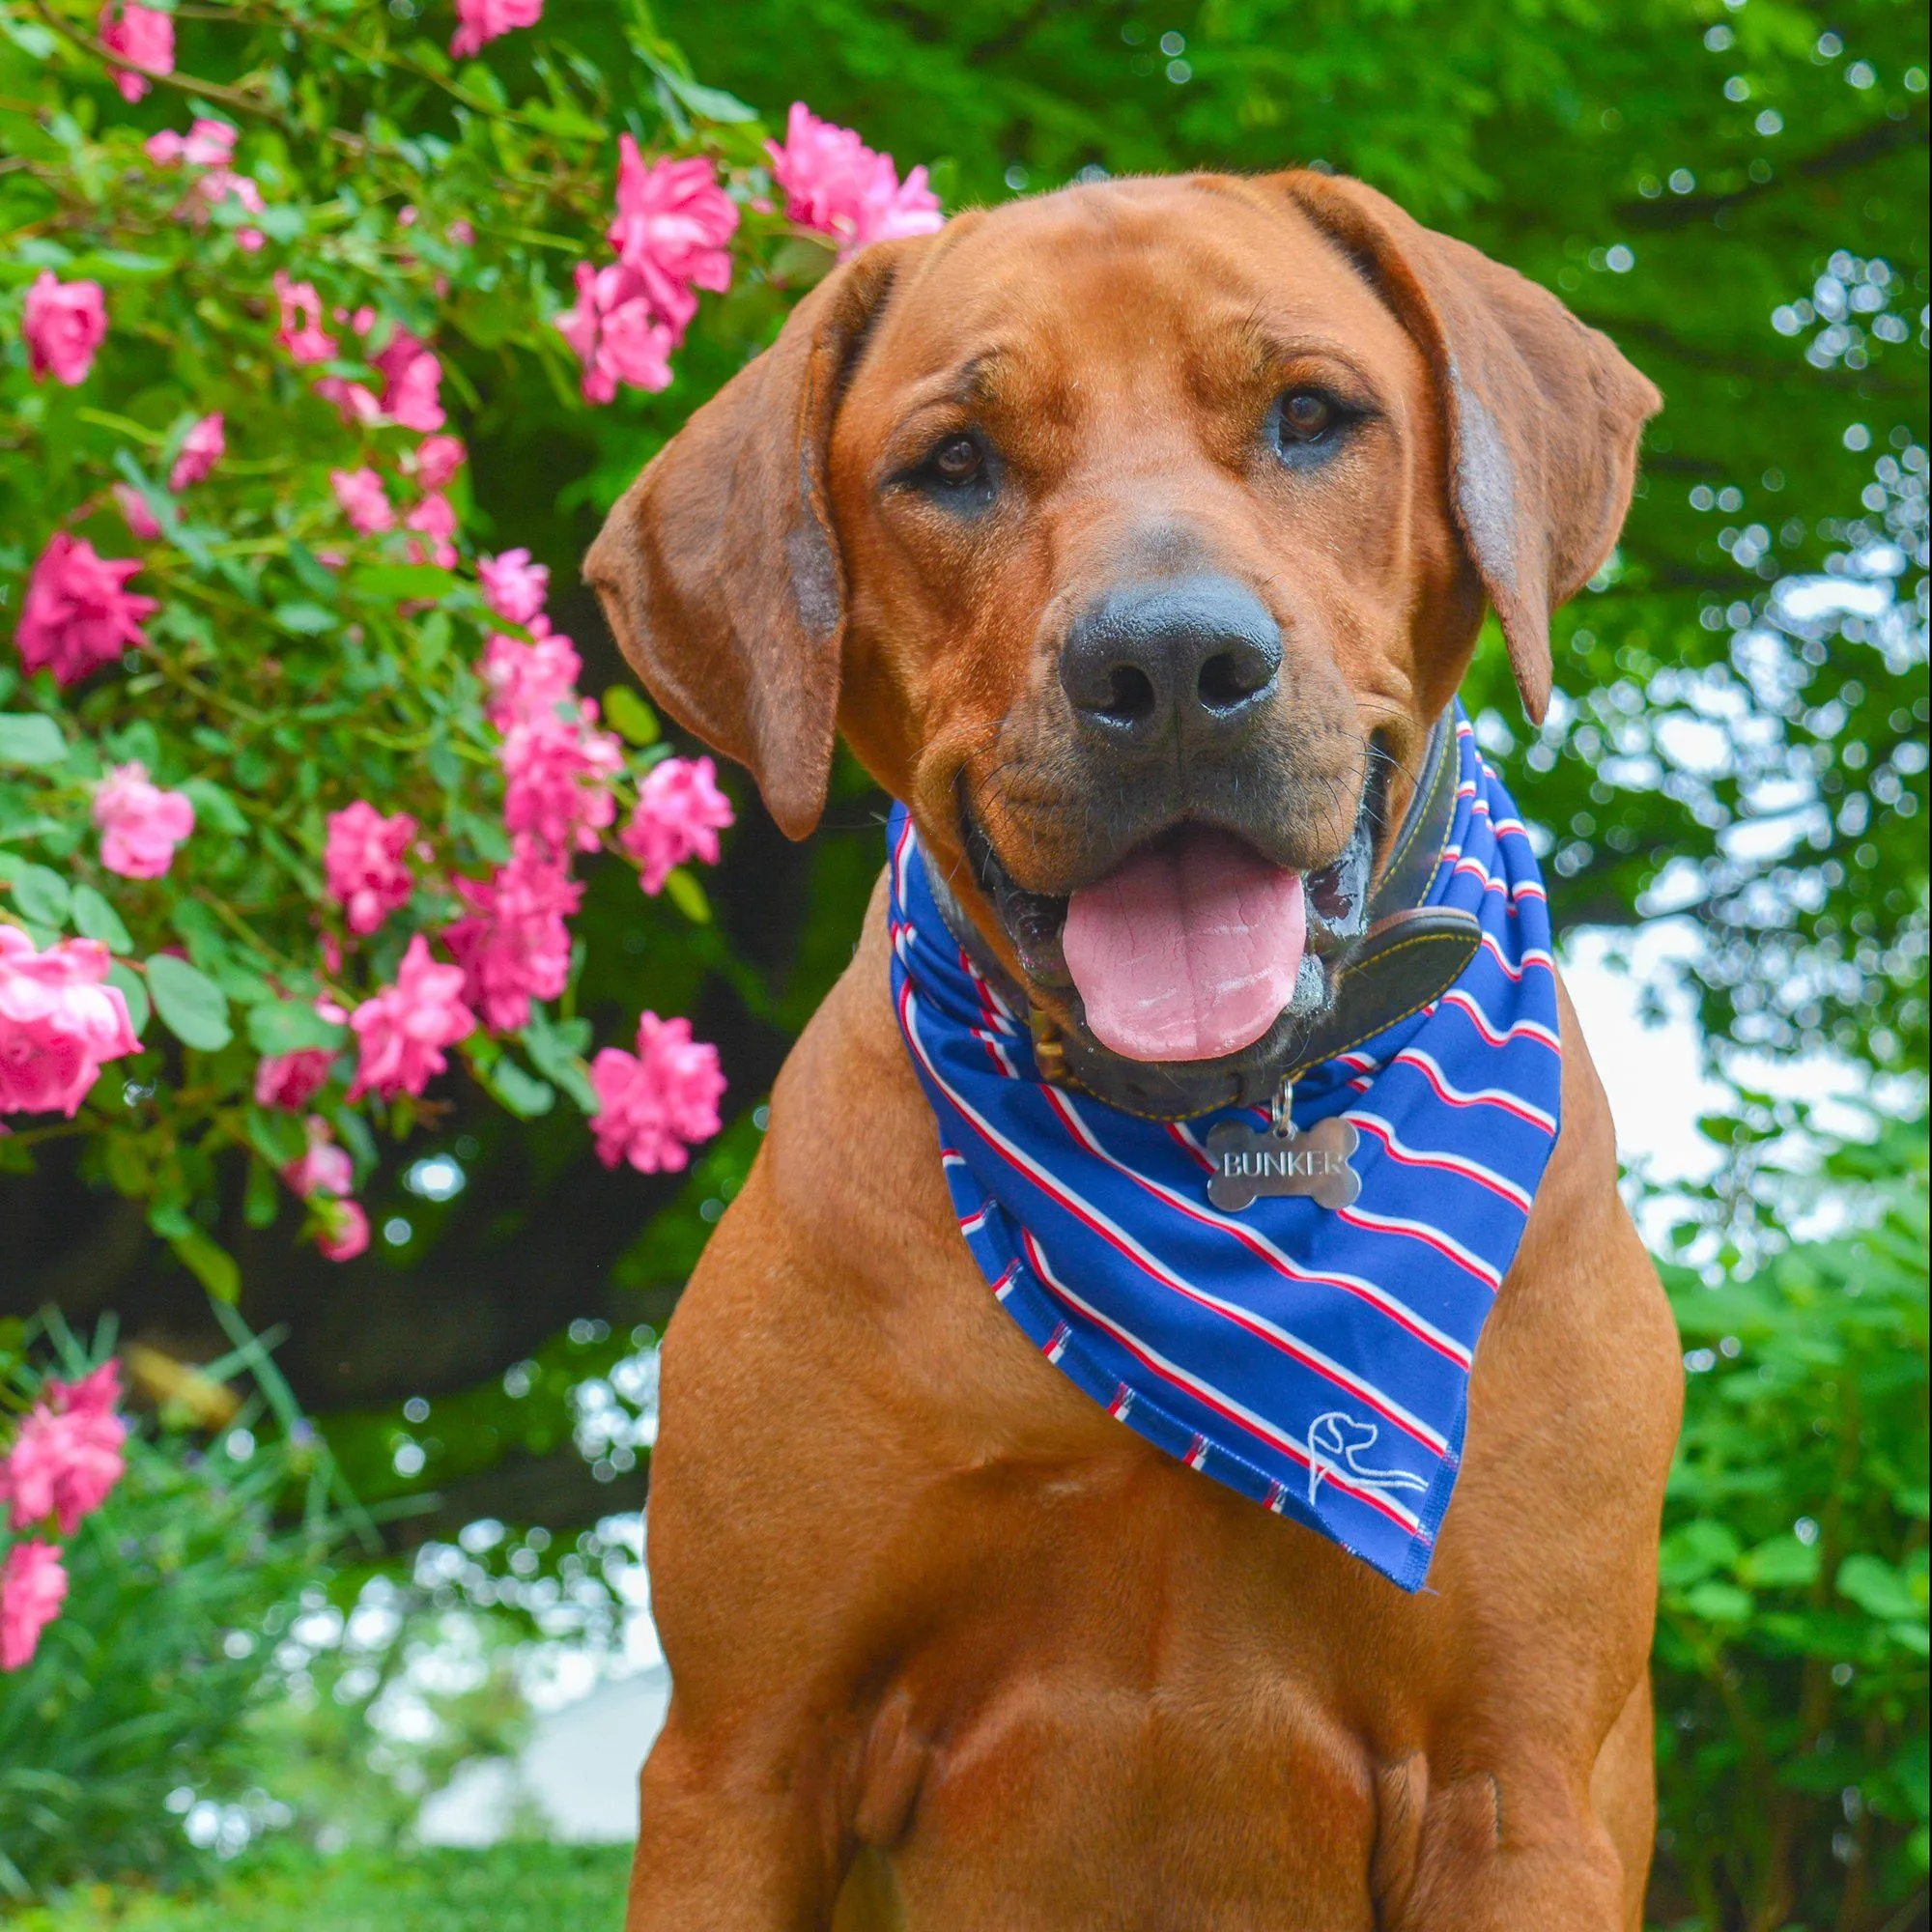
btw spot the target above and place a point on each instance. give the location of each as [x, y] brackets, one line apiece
[1251, 1161]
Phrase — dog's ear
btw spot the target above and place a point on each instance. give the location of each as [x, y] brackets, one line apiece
[1542, 412]
[719, 569]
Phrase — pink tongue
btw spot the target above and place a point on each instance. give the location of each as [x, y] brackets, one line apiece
[1188, 950]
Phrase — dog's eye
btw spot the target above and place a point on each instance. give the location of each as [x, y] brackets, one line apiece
[957, 462]
[1304, 419]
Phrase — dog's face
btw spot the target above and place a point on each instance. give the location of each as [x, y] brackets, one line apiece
[1137, 535]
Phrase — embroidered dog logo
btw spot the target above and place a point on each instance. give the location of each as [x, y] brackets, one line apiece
[1336, 1443]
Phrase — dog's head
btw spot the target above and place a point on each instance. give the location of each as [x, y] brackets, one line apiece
[1135, 536]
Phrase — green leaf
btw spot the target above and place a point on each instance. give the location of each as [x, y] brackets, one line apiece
[1876, 1587]
[555, 1050]
[523, 1093]
[124, 976]
[353, 1131]
[433, 635]
[209, 1263]
[315, 579]
[799, 261]
[279, 1137]
[709, 103]
[214, 808]
[625, 712]
[388, 582]
[169, 1219]
[42, 895]
[202, 933]
[1782, 1563]
[95, 919]
[128, 1166]
[244, 987]
[688, 895]
[284, 220]
[565, 122]
[28, 738]
[287, 1026]
[190, 1005]
[1717, 1603]
[1911, 1634]
[308, 620]
[261, 1198]
[1693, 1550]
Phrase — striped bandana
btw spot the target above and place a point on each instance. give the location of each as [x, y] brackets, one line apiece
[1315, 1359]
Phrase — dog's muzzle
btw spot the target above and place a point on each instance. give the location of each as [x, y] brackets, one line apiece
[1374, 953]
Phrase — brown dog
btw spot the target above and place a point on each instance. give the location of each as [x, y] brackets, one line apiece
[951, 1649]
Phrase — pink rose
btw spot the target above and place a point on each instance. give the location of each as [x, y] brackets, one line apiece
[679, 815]
[221, 184]
[480, 21]
[33, 1586]
[513, 586]
[59, 1021]
[362, 863]
[403, 1029]
[528, 682]
[323, 1167]
[838, 185]
[142, 36]
[514, 946]
[363, 500]
[77, 615]
[556, 779]
[64, 324]
[438, 460]
[673, 224]
[201, 450]
[345, 1230]
[411, 375]
[136, 514]
[354, 403]
[435, 516]
[302, 334]
[290, 1081]
[66, 1455]
[617, 333]
[653, 1104]
[140, 824]
[207, 144]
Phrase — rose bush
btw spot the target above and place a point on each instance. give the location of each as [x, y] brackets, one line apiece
[63, 1455]
[296, 778]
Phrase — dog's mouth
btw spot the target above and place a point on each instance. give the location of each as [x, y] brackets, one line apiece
[1194, 947]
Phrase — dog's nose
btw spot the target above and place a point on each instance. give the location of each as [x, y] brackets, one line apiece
[1195, 655]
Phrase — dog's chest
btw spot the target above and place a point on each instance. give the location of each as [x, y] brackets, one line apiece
[1079, 1795]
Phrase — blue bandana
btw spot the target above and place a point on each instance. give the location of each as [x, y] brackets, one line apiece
[1315, 1359]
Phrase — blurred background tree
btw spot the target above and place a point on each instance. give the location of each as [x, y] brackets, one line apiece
[1737, 193]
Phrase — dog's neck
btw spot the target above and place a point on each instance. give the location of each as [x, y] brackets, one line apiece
[1409, 956]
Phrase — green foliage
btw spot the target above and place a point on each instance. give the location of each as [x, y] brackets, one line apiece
[1791, 1654]
[144, 1686]
[516, 1888]
[1738, 195]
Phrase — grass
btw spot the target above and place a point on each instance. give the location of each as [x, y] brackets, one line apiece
[516, 1888]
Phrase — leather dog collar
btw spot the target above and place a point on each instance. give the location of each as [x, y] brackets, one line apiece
[1409, 954]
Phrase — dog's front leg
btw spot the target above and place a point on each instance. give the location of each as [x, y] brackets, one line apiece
[740, 1832]
[1515, 1850]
